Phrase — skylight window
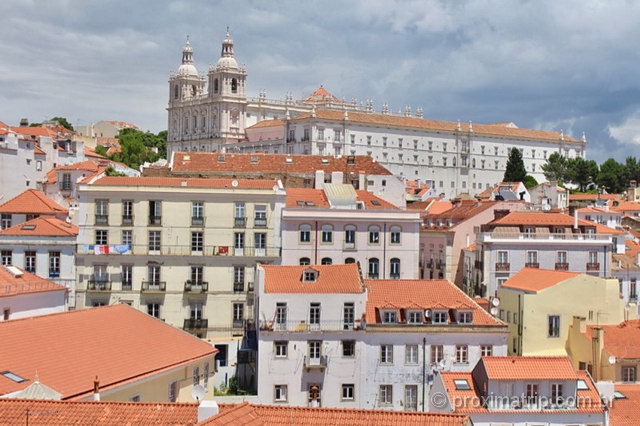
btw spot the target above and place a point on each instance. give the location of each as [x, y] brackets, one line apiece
[300, 203]
[461, 384]
[582, 385]
[254, 159]
[28, 227]
[618, 395]
[309, 203]
[12, 376]
[288, 160]
[325, 161]
[375, 202]
[221, 158]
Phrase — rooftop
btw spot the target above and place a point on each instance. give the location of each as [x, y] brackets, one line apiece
[529, 368]
[43, 226]
[625, 206]
[328, 279]
[593, 197]
[266, 123]
[626, 411]
[186, 182]
[16, 281]
[550, 219]
[620, 340]
[317, 198]
[32, 201]
[535, 279]
[96, 340]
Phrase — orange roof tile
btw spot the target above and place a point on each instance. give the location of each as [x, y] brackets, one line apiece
[208, 162]
[433, 125]
[626, 206]
[593, 197]
[428, 294]
[550, 219]
[88, 152]
[275, 415]
[267, 123]
[330, 279]
[38, 151]
[64, 413]
[26, 283]
[534, 279]
[43, 226]
[439, 207]
[373, 202]
[88, 165]
[319, 199]
[185, 182]
[626, 412]
[620, 340]
[34, 131]
[96, 339]
[529, 368]
[32, 201]
[322, 95]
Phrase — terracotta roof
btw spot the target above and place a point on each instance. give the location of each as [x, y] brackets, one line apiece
[32, 201]
[26, 283]
[534, 279]
[96, 339]
[319, 199]
[275, 415]
[529, 368]
[549, 219]
[88, 152]
[626, 206]
[34, 131]
[625, 412]
[322, 95]
[88, 165]
[620, 340]
[426, 294]
[185, 182]
[471, 247]
[266, 123]
[91, 166]
[38, 151]
[434, 125]
[207, 162]
[597, 210]
[330, 279]
[593, 197]
[466, 209]
[45, 226]
[624, 262]
[439, 207]
[64, 413]
[122, 124]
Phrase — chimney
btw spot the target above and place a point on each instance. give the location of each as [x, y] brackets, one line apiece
[575, 219]
[337, 177]
[361, 180]
[579, 323]
[207, 409]
[96, 389]
[597, 343]
[24, 122]
[319, 179]
[500, 213]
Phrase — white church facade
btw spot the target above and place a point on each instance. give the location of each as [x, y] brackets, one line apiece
[214, 114]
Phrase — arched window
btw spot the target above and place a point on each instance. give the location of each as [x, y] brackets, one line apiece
[203, 121]
[326, 261]
[195, 122]
[374, 268]
[234, 85]
[305, 233]
[396, 231]
[350, 237]
[374, 235]
[215, 85]
[327, 233]
[395, 268]
[193, 89]
[349, 260]
[454, 161]
[305, 261]
[175, 91]
[473, 163]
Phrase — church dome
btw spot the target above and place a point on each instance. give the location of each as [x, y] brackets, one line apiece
[227, 59]
[188, 69]
[227, 62]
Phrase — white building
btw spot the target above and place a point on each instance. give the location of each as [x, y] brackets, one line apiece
[549, 195]
[327, 337]
[213, 113]
[338, 224]
[23, 294]
[602, 215]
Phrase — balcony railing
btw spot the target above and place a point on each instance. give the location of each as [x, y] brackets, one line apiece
[196, 286]
[66, 186]
[498, 236]
[503, 267]
[127, 286]
[260, 222]
[593, 266]
[102, 219]
[99, 285]
[394, 276]
[54, 274]
[154, 286]
[197, 221]
[240, 222]
[186, 250]
[238, 287]
[373, 276]
[562, 266]
[155, 220]
[237, 323]
[304, 326]
[319, 362]
[195, 324]
[127, 220]
[532, 265]
[349, 245]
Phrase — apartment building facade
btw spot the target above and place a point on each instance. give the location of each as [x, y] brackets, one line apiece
[338, 224]
[182, 250]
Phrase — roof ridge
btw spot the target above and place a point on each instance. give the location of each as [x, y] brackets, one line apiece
[73, 311]
[130, 403]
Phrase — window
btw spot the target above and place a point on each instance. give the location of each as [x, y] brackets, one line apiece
[173, 391]
[127, 237]
[349, 260]
[206, 375]
[326, 261]
[556, 393]
[6, 257]
[197, 212]
[437, 353]
[154, 241]
[386, 354]
[280, 349]
[369, 140]
[239, 211]
[628, 373]
[54, 264]
[411, 354]
[532, 393]
[5, 221]
[305, 261]
[197, 273]
[30, 261]
[127, 212]
[348, 392]
[238, 312]
[374, 268]
[280, 393]
[238, 274]
[395, 268]
[260, 213]
[234, 85]
[314, 314]
[155, 212]
[281, 313]
[414, 317]
[101, 237]
[321, 134]
[465, 317]
[374, 235]
[561, 257]
[503, 256]
[348, 314]
[396, 231]
[554, 326]
[315, 349]
[486, 350]
[196, 375]
[197, 242]
[350, 236]
[153, 274]
[348, 348]
[260, 241]
[440, 317]
[327, 233]
[153, 309]
[127, 276]
[386, 395]
[336, 135]
[593, 257]
[102, 211]
[238, 240]
[389, 317]
[532, 258]
[462, 354]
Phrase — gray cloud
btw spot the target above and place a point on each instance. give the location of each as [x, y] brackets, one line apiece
[568, 65]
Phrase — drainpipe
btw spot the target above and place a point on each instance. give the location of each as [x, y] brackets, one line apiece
[424, 369]
[315, 254]
[384, 252]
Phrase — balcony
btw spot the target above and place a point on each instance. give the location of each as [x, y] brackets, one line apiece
[565, 238]
[593, 267]
[197, 221]
[373, 276]
[196, 286]
[155, 220]
[240, 222]
[127, 220]
[100, 284]
[54, 274]
[394, 276]
[238, 287]
[503, 267]
[315, 363]
[237, 323]
[102, 219]
[66, 186]
[260, 222]
[304, 326]
[127, 286]
[562, 266]
[154, 286]
[195, 324]
[532, 265]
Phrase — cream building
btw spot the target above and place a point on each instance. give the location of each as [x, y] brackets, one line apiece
[180, 249]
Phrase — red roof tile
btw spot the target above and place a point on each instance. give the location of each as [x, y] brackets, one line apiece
[88, 152]
[534, 279]
[96, 339]
[65, 413]
[267, 123]
[185, 182]
[625, 206]
[43, 226]
[34, 131]
[322, 95]
[427, 294]
[319, 199]
[25, 283]
[620, 340]
[330, 279]
[529, 368]
[626, 412]
[593, 197]
[32, 201]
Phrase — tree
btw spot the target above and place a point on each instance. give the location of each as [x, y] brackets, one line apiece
[582, 172]
[612, 176]
[515, 167]
[136, 147]
[63, 122]
[530, 182]
[555, 169]
[101, 150]
[110, 171]
[632, 169]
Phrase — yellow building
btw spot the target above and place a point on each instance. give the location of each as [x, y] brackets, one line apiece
[539, 306]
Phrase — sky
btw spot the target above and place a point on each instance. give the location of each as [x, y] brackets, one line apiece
[545, 64]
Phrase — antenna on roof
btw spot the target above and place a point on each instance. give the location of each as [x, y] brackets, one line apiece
[198, 392]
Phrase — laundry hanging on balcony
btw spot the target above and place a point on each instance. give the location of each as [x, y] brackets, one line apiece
[106, 249]
[221, 251]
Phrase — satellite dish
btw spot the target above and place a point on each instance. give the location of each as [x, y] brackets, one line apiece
[234, 183]
[494, 311]
[198, 392]
[427, 313]
[495, 302]
[612, 359]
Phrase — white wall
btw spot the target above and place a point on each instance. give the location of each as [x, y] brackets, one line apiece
[33, 304]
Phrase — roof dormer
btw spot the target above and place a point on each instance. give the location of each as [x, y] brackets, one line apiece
[310, 275]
